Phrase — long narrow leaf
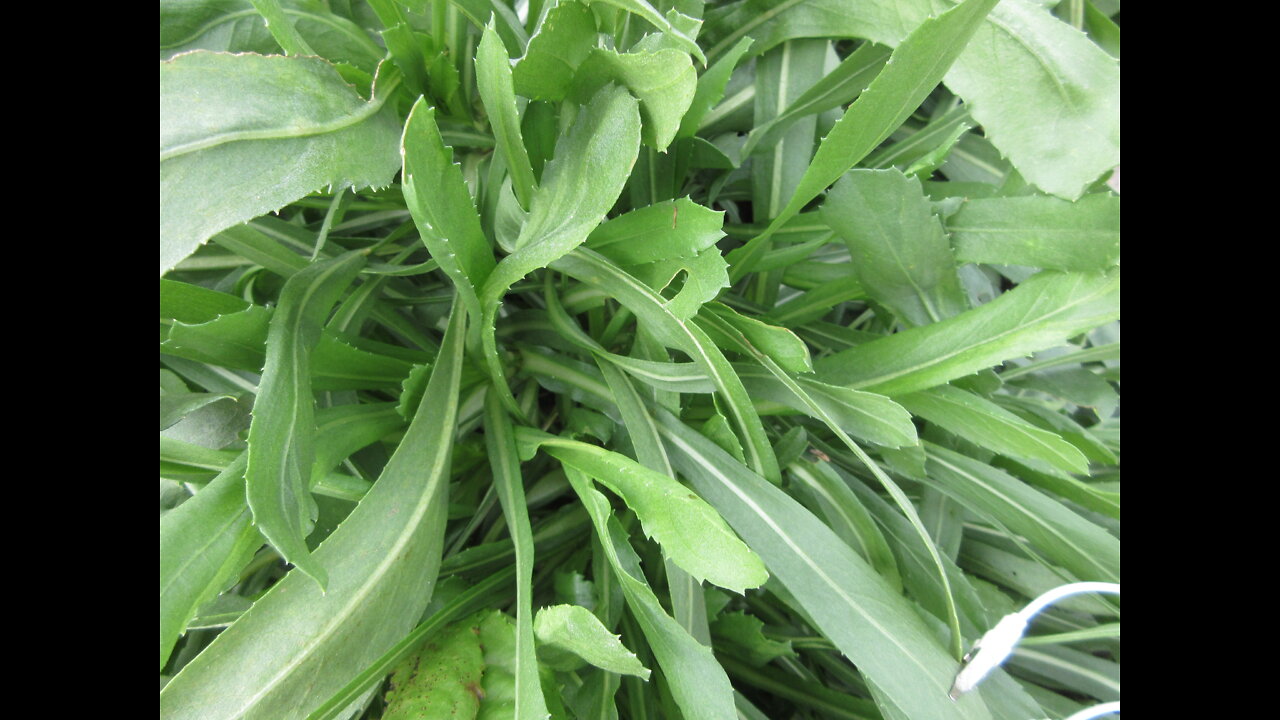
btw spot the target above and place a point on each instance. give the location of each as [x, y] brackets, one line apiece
[298, 645]
[282, 436]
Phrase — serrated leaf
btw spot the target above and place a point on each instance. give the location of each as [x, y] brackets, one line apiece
[239, 340]
[664, 81]
[1039, 231]
[689, 531]
[560, 45]
[745, 636]
[241, 135]
[710, 90]
[282, 436]
[441, 206]
[573, 629]
[778, 343]
[697, 681]
[493, 78]
[900, 254]
[666, 230]
[705, 275]
[592, 163]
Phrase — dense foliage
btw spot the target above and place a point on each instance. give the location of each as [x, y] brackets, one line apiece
[636, 358]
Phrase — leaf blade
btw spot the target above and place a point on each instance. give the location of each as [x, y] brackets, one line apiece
[282, 434]
[297, 646]
[230, 151]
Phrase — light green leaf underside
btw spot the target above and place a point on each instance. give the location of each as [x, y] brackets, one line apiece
[849, 602]
[573, 629]
[297, 646]
[1039, 231]
[242, 135]
[689, 531]
[983, 422]
[1043, 312]
[282, 435]
[899, 252]
[441, 205]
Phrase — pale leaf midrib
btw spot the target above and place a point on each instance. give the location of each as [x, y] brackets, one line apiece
[937, 360]
[444, 438]
[801, 554]
[364, 112]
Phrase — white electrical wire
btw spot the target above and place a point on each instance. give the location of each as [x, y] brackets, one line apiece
[995, 646]
[1063, 591]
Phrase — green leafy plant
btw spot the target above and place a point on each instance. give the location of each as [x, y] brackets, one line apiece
[635, 359]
